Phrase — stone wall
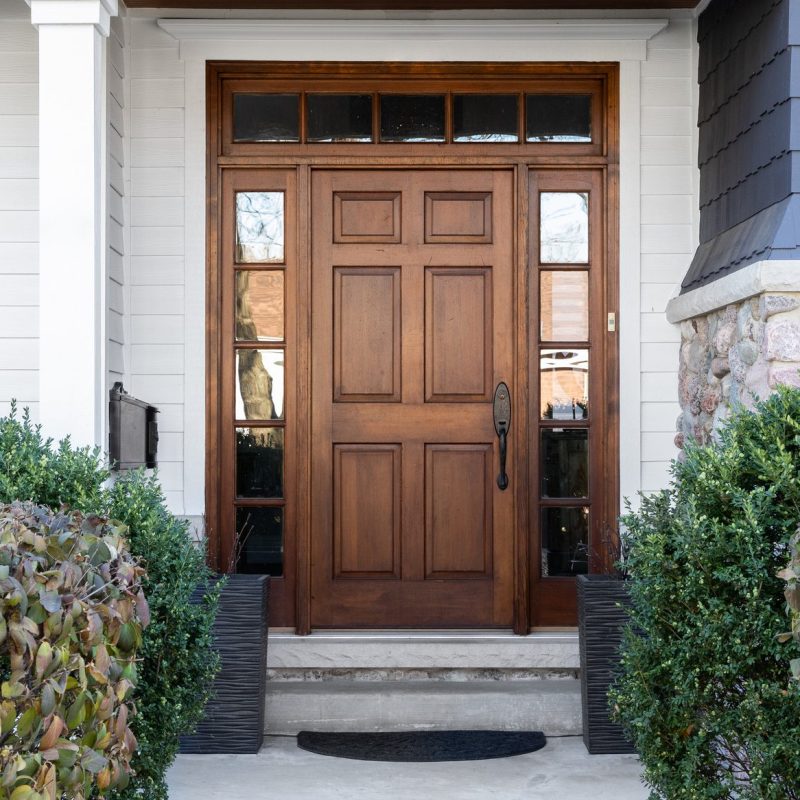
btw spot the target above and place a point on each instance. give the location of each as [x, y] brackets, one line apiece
[735, 355]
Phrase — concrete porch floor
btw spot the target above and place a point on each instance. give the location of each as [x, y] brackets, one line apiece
[562, 770]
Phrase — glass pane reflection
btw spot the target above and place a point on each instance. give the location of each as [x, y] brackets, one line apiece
[259, 384]
[412, 118]
[485, 118]
[260, 541]
[558, 118]
[564, 303]
[259, 306]
[339, 117]
[564, 227]
[266, 118]
[564, 376]
[259, 462]
[259, 227]
[565, 462]
[565, 541]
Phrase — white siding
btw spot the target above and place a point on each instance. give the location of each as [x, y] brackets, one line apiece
[147, 297]
[19, 204]
[117, 197]
[157, 242]
[669, 203]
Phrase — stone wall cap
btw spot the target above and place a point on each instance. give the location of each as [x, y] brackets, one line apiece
[751, 281]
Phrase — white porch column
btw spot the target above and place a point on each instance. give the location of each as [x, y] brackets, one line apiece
[71, 216]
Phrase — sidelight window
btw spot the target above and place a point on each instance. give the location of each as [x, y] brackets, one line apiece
[259, 385]
[565, 358]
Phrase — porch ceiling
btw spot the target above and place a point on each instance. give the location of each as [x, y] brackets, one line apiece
[418, 5]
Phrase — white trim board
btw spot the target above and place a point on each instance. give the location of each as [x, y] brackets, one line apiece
[412, 40]
[330, 42]
[755, 279]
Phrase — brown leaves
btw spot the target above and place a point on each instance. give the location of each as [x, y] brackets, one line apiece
[72, 615]
[791, 574]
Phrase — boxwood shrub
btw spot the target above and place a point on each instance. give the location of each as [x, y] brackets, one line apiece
[178, 660]
[706, 691]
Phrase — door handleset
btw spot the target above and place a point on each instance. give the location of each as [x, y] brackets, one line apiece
[502, 425]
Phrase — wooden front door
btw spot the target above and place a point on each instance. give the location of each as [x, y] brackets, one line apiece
[387, 244]
[412, 330]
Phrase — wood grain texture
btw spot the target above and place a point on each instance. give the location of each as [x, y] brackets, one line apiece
[324, 421]
[440, 515]
[367, 511]
[367, 338]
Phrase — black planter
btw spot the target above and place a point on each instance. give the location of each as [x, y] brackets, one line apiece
[234, 717]
[603, 603]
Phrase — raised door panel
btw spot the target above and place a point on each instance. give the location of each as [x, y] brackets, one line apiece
[366, 334]
[367, 508]
[367, 217]
[452, 217]
[458, 334]
[458, 511]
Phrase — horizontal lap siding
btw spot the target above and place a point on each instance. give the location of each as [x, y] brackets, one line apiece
[117, 191]
[157, 169]
[19, 204]
[156, 310]
[669, 202]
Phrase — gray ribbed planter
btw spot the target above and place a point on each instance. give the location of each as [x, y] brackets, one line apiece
[234, 717]
[603, 603]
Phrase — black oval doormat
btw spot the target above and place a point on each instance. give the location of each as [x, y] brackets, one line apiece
[422, 745]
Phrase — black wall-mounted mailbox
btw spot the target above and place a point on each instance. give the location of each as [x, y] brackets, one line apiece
[133, 431]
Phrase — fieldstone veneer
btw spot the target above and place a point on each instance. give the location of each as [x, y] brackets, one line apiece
[735, 355]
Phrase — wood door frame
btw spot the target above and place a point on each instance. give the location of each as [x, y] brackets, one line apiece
[304, 159]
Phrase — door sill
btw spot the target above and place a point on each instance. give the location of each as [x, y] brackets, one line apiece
[423, 649]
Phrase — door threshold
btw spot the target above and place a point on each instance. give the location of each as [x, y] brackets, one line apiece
[423, 649]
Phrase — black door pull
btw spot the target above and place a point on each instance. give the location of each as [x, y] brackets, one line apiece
[502, 425]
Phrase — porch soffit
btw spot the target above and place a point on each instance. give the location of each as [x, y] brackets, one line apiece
[508, 39]
[421, 5]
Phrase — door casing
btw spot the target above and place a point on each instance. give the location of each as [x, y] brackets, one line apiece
[291, 600]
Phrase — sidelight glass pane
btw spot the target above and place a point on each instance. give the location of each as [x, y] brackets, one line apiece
[565, 462]
[266, 118]
[564, 227]
[259, 227]
[485, 118]
[259, 306]
[412, 118]
[564, 383]
[259, 534]
[564, 304]
[565, 541]
[339, 117]
[259, 462]
[259, 384]
[558, 118]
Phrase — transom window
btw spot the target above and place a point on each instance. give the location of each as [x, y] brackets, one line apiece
[411, 118]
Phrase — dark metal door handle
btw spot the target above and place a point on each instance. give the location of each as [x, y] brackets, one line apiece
[502, 425]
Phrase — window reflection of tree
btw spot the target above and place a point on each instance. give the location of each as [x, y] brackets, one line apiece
[564, 227]
[259, 227]
[255, 382]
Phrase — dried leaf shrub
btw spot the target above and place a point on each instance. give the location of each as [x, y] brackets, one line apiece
[73, 612]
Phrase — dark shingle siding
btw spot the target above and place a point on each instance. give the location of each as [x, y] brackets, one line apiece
[749, 118]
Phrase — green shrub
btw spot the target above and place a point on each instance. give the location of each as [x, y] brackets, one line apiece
[32, 469]
[178, 662]
[72, 617]
[705, 692]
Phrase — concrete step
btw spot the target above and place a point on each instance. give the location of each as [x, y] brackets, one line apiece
[545, 704]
